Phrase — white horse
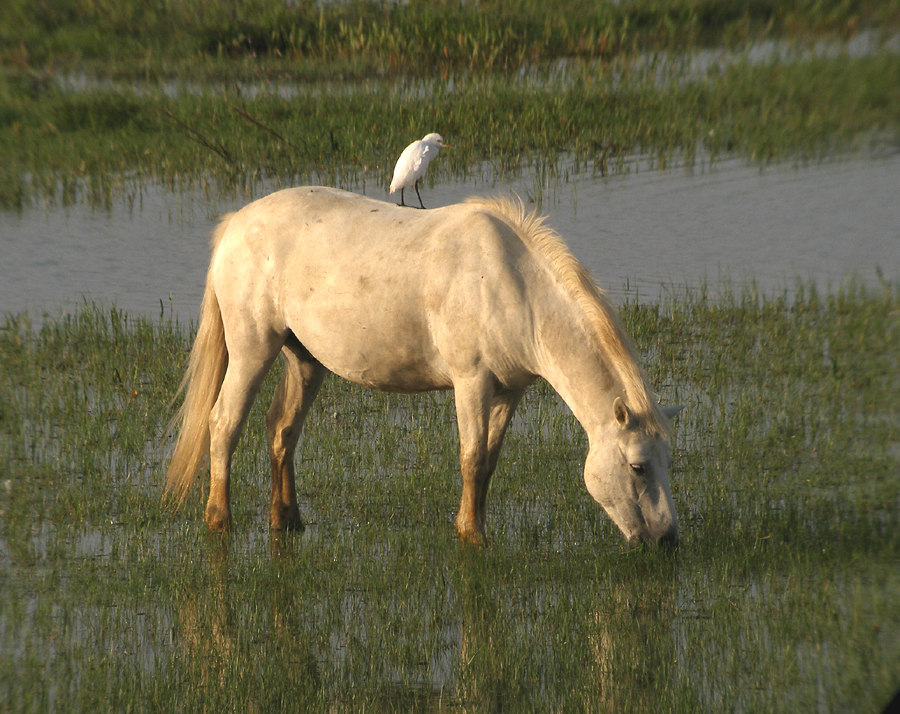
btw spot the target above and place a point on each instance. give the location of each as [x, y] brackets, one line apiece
[476, 297]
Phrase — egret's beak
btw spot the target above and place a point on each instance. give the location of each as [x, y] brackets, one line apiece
[446, 146]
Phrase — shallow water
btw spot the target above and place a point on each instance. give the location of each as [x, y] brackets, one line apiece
[642, 234]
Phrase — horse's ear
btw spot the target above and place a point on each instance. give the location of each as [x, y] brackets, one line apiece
[671, 412]
[622, 412]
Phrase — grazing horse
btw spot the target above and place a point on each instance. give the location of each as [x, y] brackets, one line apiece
[477, 297]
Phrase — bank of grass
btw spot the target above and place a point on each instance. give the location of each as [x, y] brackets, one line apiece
[223, 38]
[89, 145]
[225, 92]
[781, 596]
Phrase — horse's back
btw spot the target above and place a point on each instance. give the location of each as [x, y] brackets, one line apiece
[385, 296]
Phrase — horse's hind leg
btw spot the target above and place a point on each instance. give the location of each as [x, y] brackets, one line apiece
[299, 385]
[245, 372]
[502, 410]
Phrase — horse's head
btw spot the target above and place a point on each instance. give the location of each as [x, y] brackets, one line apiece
[627, 472]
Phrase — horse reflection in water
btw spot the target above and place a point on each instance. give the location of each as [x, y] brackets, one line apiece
[478, 297]
[211, 625]
[205, 627]
[627, 651]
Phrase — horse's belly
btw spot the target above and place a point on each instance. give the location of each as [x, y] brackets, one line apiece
[383, 370]
[390, 354]
[397, 378]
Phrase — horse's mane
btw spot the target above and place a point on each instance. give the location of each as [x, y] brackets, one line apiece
[608, 332]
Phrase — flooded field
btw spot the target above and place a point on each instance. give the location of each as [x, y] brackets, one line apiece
[727, 171]
[782, 594]
[765, 299]
[640, 235]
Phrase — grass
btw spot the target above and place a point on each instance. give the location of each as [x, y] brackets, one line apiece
[220, 38]
[224, 93]
[94, 145]
[781, 596]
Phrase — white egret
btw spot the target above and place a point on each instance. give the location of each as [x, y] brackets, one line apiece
[413, 162]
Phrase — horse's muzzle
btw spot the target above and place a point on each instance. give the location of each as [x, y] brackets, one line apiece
[669, 539]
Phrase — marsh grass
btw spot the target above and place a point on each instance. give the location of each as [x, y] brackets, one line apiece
[360, 38]
[97, 145]
[223, 93]
[782, 595]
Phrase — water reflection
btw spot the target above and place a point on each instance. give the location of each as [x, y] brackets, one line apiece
[641, 234]
[633, 650]
[214, 618]
[584, 646]
[207, 620]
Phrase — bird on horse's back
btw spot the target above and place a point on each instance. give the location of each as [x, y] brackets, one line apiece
[413, 163]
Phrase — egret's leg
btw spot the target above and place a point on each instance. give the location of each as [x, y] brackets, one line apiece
[418, 194]
[402, 202]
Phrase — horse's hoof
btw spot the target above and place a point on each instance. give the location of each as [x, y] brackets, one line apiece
[285, 518]
[471, 537]
[217, 518]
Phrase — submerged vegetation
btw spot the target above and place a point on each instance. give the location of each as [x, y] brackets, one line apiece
[781, 596]
[106, 93]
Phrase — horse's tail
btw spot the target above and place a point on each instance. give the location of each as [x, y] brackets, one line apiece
[201, 384]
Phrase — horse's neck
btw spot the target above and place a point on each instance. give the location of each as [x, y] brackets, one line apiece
[579, 372]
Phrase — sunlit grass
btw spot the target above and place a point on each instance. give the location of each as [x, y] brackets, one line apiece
[782, 594]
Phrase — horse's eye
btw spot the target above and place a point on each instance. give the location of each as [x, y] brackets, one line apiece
[638, 469]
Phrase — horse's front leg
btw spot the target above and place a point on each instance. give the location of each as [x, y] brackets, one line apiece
[295, 394]
[501, 410]
[472, 397]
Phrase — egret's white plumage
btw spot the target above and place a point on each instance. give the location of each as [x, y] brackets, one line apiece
[413, 162]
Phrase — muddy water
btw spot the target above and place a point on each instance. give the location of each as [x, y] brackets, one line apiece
[641, 234]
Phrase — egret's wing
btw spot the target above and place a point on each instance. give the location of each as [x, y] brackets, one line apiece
[404, 169]
[423, 157]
